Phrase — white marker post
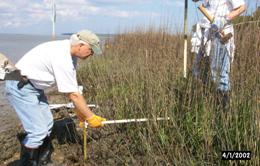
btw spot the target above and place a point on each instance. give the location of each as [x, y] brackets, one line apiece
[53, 19]
[185, 38]
[129, 121]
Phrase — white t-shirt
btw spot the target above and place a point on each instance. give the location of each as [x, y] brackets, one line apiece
[219, 8]
[222, 7]
[48, 64]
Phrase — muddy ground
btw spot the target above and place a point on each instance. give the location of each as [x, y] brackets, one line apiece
[106, 146]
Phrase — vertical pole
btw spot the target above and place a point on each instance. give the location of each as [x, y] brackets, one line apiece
[53, 19]
[185, 38]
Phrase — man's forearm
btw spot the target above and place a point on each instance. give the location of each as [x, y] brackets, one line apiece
[80, 104]
[236, 12]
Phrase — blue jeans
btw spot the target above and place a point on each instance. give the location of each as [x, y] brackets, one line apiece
[33, 110]
[220, 67]
[220, 62]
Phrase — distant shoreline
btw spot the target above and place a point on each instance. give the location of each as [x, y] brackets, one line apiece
[62, 34]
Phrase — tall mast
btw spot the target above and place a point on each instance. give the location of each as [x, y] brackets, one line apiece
[185, 38]
[53, 19]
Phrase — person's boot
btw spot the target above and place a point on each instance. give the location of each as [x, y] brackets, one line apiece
[45, 151]
[29, 157]
[21, 137]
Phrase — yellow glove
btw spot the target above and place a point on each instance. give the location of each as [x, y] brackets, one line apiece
[81, 124]
[95, 121]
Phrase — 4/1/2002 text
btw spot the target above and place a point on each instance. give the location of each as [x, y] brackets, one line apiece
[236, 155]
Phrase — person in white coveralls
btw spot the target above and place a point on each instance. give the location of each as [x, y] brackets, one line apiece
[206, 43]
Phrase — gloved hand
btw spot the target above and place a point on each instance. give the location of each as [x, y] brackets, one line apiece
[219, 23]
[81, 124]
[95, 121]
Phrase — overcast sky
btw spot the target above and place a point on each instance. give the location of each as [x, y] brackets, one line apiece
[100, 16]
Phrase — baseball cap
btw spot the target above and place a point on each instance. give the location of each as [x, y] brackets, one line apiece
[90, 38]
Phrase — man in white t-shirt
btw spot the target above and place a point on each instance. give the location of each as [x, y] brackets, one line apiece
[207, 44]
[48, 64]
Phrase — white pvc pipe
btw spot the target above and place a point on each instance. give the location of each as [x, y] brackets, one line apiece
[53, 19]
[69, 105]
[185, 39]
[128, 121]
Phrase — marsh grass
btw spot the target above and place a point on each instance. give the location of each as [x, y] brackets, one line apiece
[140, 75]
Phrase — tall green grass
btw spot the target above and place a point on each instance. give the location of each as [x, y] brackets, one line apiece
[140, 75]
